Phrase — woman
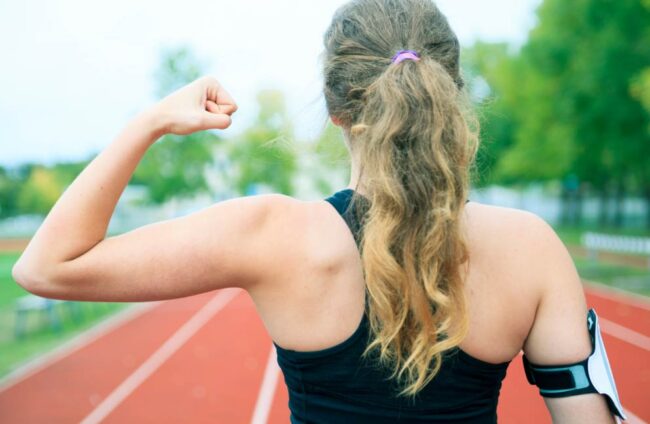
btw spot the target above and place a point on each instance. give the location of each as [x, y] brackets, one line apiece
[453, 291]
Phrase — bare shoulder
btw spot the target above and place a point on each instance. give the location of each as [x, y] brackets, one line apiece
[542, 264]
[274, 212]
[279, 219]
[516, 225]
[294, 233]
[520, 240]
[517, 264]
[308, 261]
[315, 235]
[291, 220]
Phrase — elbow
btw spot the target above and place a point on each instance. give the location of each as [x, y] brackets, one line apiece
[35, 282]
[21, 276]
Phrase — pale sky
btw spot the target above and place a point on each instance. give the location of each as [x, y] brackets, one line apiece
[73, 72]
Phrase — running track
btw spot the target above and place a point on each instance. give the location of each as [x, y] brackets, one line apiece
[208, 359]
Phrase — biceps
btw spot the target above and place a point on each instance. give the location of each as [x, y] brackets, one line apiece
[165, 260]
[559, 334]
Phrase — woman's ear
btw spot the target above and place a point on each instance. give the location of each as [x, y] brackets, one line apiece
[336, 121]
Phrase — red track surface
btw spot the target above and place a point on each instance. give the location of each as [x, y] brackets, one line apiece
[141, 371]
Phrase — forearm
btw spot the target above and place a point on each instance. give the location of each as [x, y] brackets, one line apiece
[79, 219]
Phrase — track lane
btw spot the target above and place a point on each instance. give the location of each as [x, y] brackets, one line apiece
[160, 356]
[280, 409]
[269, 385]
[631, 315]
[68, 389]
[631, 369]
[214, 377]
[520, 402]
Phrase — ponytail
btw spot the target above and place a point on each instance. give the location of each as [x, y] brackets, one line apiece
[410, 132]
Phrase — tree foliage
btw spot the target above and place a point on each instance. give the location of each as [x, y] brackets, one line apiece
[571, 100]
[34, 188]
[10, 187]
[175, 166]
[332, 159]
[263, 156]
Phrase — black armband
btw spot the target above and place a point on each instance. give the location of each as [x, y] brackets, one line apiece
[591, 375]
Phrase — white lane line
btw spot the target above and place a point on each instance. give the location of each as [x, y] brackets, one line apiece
[267, 390]
[74, 344]
[632, 419]
[624, 333]
[164, 352]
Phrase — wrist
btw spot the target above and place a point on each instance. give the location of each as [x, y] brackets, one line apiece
[153, 123]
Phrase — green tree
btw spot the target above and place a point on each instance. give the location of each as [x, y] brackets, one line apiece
[35, 188]
[581, 59]
[175, 165]
[569, 104]
[491, 75]
[263, 156]
[640, 89]
[332, 159]
[40, 191]
[9, 189]
[178, 67]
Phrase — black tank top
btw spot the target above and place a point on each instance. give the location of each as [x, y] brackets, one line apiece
[335, 385]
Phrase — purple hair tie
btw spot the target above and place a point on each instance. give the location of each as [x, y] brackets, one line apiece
[405, 55]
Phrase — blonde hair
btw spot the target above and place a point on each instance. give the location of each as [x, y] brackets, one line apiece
[415, 138]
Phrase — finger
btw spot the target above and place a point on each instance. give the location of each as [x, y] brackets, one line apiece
[218, 94]
[218, 121]
[213, 107]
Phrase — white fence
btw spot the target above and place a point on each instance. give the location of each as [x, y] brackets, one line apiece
[595, 242]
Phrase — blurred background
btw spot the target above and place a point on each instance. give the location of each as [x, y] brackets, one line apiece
[562, 90]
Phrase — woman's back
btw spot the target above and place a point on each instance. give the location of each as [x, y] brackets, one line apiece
[322, 287]
[320, 328]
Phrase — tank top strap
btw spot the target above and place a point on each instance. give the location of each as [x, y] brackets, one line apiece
[342, 202]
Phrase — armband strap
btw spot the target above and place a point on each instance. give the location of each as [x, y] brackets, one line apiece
[591, 375]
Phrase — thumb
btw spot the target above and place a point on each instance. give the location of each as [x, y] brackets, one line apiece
[211, 120]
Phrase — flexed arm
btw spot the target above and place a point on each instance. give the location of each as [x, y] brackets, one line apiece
[70, 258]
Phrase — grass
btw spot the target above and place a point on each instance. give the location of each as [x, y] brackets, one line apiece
[634, 280]
[572, 235]
[9, 290]
[39, 338]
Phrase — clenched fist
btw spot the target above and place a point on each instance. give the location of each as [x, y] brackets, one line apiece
[201, 105]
